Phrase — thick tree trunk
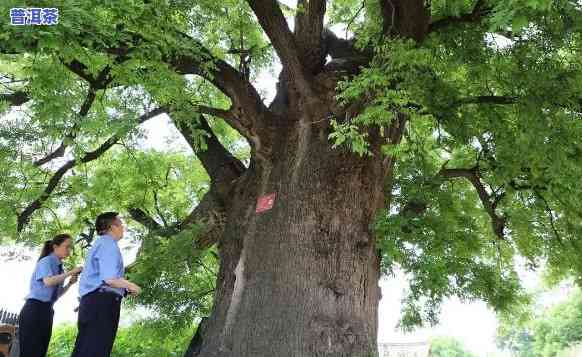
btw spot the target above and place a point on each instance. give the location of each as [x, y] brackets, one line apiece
[300, 279]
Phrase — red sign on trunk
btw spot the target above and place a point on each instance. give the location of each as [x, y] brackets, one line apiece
[265, 203]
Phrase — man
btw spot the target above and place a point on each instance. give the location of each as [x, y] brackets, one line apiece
[102, 287]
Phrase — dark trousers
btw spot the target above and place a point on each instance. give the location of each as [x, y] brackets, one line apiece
[35, 328]
[97, 324]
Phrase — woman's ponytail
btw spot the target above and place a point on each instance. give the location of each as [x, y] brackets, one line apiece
[47, 249]
[49, 246]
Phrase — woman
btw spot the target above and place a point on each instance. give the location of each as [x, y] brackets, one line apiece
[46, 286]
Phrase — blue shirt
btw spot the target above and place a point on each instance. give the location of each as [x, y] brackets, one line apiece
[103, 262]
[48, 266]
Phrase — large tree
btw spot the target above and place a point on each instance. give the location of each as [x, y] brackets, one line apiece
[439, 136]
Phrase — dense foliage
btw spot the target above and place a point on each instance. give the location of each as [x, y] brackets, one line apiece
[488, 168]
[448, 347]
[547, 333]
[141, 339]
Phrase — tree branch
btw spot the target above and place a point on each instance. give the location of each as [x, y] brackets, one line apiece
[309, 20]
[223, 168]
[69, 137]
[405, 18]
[480, 10]
[246, 99]
[487, 99]
[275, 26]
[24, 216]
[100, 82]
[229, 116]
[19, 98]
[550, 214]
[219, 163]
[489, 203]
[209, 213]
[309, 30]
[226, 115]
[15, 99]
[147, 221]
[223, 76]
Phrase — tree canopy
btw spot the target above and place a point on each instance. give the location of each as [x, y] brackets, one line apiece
[547, 333]
[448, 347]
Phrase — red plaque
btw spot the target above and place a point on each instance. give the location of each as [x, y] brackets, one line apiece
[265, 203]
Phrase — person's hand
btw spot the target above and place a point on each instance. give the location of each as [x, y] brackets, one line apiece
[74, 279]
[133, 289]
[76, 271]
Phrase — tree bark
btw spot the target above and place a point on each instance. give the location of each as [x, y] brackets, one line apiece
[300, 279]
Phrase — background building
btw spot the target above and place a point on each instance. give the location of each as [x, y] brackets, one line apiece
[407, 349]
